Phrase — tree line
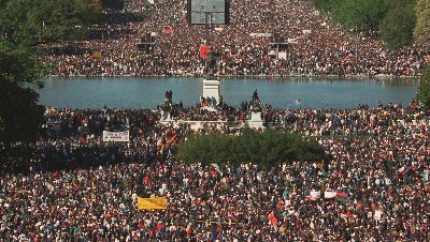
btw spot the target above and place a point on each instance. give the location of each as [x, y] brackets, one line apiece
[33, 22]
[423, 92]
[398, 22]
[24, 24]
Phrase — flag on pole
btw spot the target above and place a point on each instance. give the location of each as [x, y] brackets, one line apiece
[171, 140]
[273, 219]
[204, 51]
[152, 203]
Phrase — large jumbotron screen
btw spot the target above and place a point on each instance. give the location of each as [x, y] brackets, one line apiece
[208, 11]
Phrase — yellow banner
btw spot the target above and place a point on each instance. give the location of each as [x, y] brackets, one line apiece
[152, 203]
[96, 53]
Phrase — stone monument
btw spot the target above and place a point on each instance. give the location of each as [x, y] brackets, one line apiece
[166, 108]
[211, 88]
[165, 116]
[255, 121]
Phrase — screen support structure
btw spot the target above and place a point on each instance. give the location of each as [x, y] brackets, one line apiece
[208, 28]
[208, 13]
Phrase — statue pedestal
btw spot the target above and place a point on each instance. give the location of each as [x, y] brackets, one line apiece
[165, 117]
[211, 89]
[255, 121]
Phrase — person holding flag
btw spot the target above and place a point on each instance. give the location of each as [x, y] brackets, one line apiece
[273, 220]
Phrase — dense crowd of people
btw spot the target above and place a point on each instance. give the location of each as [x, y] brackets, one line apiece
[317, 46]
[372, 186]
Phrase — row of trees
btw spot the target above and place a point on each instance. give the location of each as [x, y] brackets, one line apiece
[24, 24]
[424, 87]
[267, 148]
[32, 21]
[20, 115]
[400, 22]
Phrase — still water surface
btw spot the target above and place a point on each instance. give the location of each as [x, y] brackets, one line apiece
[282, 93]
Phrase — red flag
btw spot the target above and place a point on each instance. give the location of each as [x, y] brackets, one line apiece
[299, 224]
[168, 31]
[159, 227]
[273, 219]
[280, 204]
[171, 140]
[204, 51]
[348, 213]
[233, 217]
[212, 172]
[342, 194]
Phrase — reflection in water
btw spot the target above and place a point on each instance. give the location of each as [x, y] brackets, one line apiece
[279, 92]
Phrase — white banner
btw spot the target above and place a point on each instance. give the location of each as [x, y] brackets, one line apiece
[329, 194]
[315, 194]
[307, 31]
[116, 136]
[378, 215]
[260, 34]
[282, 55]
[292, 41]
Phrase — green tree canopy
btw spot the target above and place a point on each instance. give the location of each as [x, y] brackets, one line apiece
[89, 11]
[422, 28]
[360, 14]
[47, 20]
[24, 23]
[114, 4]
[397, 19]
[424, 87]
[267, 148]
[397, 26]
[20, 115]
[325, 5]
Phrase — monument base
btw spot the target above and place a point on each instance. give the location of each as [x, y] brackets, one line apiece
[165, 117]
[255, 122]
[211, 89]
